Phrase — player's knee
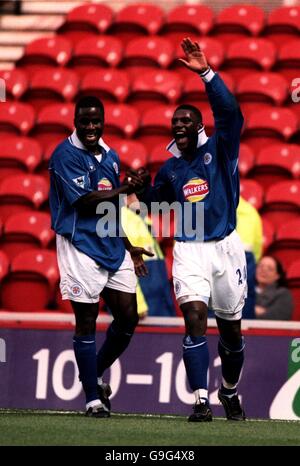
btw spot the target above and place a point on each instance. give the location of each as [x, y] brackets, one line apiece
[195, 321]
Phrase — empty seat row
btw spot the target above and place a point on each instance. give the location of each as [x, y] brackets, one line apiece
[115, 85]
[144, 18]
[55, 121]
[156, 51]
[279, 161]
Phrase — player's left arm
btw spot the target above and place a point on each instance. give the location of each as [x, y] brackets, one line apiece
[227, 114]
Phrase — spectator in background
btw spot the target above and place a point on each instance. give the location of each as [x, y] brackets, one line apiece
[154, 296]
[273, 299]
[249, 228]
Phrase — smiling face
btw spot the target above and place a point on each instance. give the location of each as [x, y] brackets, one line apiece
[89, 124]
[266, 271]
[185, 127]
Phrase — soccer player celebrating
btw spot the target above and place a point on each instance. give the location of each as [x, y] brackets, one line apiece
[84, 173]
[208, 271]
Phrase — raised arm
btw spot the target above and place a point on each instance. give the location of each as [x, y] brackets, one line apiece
[227, 114]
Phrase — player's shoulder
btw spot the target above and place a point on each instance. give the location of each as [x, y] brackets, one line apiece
[64, 151]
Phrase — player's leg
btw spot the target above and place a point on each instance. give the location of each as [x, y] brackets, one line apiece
[231, 351]
[229, 290]
[196, 356]
[81, 283]
[123, 307]
[84, 343]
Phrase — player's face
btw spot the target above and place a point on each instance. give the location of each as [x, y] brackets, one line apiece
[185, 130]
[266, 271]
[89, 126]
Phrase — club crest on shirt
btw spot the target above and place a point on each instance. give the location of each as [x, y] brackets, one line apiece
[116, 168]
[104, 185]
[207, 158]
[195, 190]
[79, 181]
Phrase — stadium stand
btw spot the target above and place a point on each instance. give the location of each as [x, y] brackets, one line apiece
[110, 85]
[18, 155]
[286, 246]
[26, 230]
[86, 20]
[127, 55]
[154, 88]
[51, 85]
[293, 277]
[16, 82]
[33, 277]
[137, 20]
[22, 192]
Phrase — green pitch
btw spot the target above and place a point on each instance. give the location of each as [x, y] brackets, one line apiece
[27, 427]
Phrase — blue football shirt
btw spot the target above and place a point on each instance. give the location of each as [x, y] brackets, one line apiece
[211, 178]
[74, 172]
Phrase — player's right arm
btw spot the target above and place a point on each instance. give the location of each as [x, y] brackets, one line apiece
[72, 179]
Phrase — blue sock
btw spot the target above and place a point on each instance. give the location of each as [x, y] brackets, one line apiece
[232, 358]
[85, 354]
[115, 343]
[196, 361]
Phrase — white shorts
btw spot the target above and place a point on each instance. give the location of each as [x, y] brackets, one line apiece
[82, 279]
[213, 272]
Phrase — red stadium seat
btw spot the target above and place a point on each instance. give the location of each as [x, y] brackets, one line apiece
[214, 52]
[19, 154]
[282, 202]
[249, 54]
[26, 230]
[16, 118]
[237, 21]
[286, 246]
[132, 154]
[266, 87]
[158, 156]
[54, 123]
[16, 83]
[293, 277]
[31, 282]
[268, 234]
[277, 162]
[52, 85]
[110, 85]
[194, 89]
[288, 61]
[22, 192]
[283, 24]
[185, 20]
[121, 120]
[93, 52]
[136, 20]
[268, 125]
[85, 20]
[4, 264]
[49, 51]
[252, 192]
[155, 126]
[155, 87]
[246, 159]
[152, 51]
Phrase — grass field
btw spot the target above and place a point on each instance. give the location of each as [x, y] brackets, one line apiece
[27, 427]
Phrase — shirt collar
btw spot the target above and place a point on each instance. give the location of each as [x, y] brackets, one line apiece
[172, 147]
[75, 141]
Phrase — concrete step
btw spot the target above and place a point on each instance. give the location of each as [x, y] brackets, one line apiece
[10, 53]
[31, 23]
[20, 37]
[45, 7]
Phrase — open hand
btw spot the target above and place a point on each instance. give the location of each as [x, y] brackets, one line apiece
[138, 261]
[195, 58]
